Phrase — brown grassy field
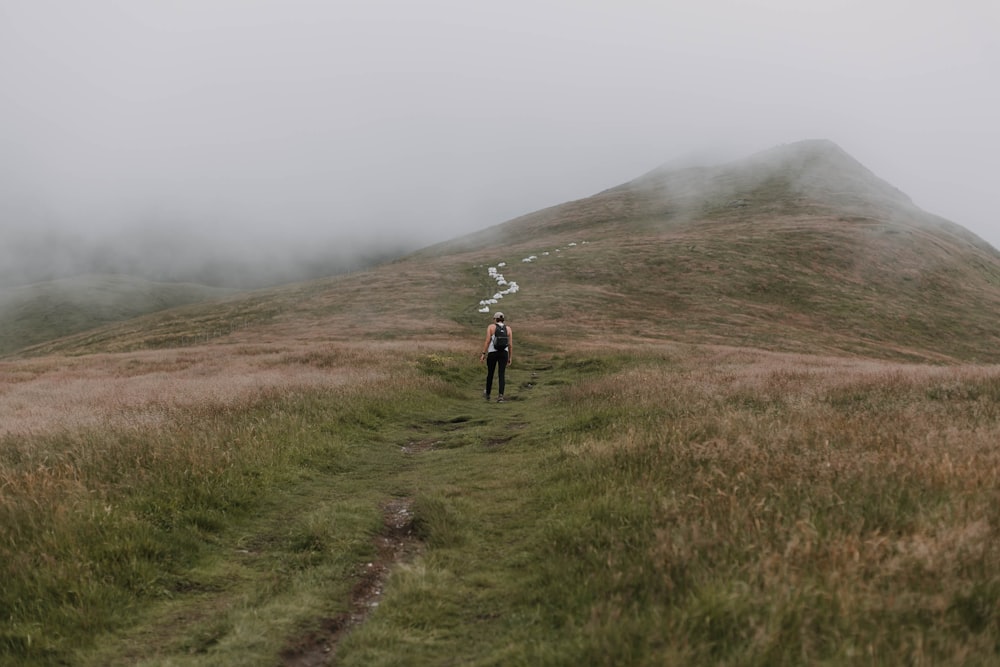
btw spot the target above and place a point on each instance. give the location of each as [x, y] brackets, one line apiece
[47, 395]
[718, 505]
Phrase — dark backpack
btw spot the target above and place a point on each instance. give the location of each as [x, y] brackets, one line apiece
[500, 338]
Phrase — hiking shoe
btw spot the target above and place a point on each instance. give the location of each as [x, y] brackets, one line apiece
[486, 396]
[500, 399]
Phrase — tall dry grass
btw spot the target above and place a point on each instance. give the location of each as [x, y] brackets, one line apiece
[794, 510]
[139, 389]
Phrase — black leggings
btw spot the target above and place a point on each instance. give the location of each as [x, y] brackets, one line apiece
[494, 359]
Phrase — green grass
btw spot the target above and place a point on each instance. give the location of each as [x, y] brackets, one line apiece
[638, 508]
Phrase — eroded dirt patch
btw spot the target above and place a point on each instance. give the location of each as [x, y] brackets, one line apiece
[419, 446]
[396, 543]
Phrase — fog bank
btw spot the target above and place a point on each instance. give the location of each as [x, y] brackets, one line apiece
[274, 129]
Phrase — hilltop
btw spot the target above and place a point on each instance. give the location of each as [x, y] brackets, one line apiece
[798, 248]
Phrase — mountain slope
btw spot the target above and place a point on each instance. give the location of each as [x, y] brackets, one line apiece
[40, 312]
[798, 248]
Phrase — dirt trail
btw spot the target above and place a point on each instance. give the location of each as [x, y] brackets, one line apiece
[396, 543]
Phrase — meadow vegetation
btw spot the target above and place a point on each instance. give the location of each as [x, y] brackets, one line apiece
[657, 504]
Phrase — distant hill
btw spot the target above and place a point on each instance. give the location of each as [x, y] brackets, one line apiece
[798, 248]
[36, 313]
[35, 252]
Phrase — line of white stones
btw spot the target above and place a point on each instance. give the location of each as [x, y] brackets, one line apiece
[510, 287]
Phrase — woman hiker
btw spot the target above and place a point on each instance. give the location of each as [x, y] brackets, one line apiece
[497, 350]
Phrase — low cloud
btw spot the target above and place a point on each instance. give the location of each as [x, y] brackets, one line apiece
[206, 130]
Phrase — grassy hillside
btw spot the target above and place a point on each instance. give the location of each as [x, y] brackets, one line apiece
[45, 311]
[797, 249]
[751, 420]
[800, 248]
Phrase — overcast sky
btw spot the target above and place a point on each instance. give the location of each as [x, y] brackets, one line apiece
[309, 119]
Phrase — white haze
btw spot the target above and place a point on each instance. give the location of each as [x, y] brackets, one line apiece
[279, 129]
